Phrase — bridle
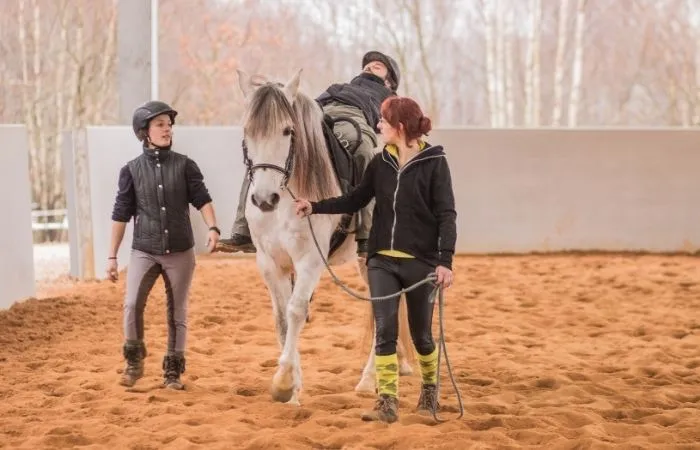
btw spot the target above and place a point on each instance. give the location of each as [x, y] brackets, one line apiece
[286, 171]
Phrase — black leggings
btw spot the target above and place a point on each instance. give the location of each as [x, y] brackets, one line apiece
[388, 275]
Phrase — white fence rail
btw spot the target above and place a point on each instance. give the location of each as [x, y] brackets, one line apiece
[59, 219]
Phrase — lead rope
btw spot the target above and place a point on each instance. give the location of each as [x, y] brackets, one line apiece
[437, 292]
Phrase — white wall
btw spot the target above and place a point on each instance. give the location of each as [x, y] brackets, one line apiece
[16, 247]
[551, 190]
[517, 190]
[217, 151]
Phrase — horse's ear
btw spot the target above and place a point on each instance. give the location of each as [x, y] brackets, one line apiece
[292, 86]
[245, 83]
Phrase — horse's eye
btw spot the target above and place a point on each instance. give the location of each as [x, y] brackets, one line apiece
[287, 131]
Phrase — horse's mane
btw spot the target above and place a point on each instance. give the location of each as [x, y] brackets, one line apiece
[313, 176]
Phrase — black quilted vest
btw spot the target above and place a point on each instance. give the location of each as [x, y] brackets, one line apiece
[162, 223]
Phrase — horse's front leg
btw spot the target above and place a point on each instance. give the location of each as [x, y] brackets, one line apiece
[287, 382]
[279, 285]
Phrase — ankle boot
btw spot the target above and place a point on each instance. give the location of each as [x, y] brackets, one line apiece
[428, 400]
[134, 353]
[173, 366]
[386, 409]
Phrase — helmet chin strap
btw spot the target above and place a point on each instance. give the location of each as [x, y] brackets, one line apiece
[156, 147]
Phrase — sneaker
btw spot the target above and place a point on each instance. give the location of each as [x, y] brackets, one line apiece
[237, 243]
[386, 409]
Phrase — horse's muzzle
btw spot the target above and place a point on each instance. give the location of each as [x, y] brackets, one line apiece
[268, 204]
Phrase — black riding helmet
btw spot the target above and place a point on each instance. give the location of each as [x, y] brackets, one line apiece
[146, 112]
[389, 62]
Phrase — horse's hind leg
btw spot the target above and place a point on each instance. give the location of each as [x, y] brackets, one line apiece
[404, 345]
[367, 381]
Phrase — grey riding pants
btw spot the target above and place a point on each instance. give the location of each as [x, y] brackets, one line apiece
[240, 224]
[144, 269]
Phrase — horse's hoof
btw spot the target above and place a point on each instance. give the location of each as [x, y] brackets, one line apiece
[366, 384]
[294, 401]
[282, 388]
[282, 395]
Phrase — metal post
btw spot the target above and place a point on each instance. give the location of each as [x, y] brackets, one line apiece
[135, 37]
[154, 50]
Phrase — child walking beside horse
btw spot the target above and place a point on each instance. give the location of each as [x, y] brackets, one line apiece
[156, 189]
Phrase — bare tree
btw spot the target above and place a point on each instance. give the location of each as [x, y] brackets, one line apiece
[489, 12]
[559, 64]
[576, 68]
[509, 66]
[532, 69]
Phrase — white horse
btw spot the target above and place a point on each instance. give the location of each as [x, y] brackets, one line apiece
[285, 153]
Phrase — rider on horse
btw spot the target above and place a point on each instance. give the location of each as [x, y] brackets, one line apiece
[354, 112]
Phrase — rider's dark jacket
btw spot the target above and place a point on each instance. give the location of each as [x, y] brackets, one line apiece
[366, 92]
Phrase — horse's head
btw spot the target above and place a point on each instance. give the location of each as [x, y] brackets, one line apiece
[269, 128]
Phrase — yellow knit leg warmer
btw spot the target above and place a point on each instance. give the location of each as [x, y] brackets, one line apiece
[387, 368]
[428, 367]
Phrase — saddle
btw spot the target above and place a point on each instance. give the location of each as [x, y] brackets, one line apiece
[346, 172]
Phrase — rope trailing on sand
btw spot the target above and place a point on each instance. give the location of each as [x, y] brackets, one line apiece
[437, 292]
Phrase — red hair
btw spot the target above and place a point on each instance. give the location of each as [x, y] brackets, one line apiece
[405, 111]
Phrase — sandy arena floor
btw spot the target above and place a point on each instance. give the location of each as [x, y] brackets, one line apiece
[556, 352]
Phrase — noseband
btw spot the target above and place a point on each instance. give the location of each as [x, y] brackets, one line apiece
[286, 171]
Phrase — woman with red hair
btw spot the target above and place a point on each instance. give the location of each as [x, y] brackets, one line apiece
[413, 234]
